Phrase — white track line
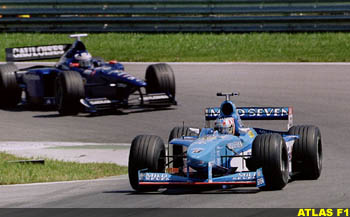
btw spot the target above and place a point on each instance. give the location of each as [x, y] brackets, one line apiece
[114, 178]
[19, 145]
[20, 148]
[117, 153]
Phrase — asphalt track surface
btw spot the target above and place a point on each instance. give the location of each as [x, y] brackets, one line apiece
[319, 94]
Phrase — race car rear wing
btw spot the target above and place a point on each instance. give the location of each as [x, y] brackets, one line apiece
[256, 113]
[17, 54]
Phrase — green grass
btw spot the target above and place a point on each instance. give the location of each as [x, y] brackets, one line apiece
[265, 47]
[53, 170]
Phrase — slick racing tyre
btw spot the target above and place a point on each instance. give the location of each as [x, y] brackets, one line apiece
[68, 92]
[146, 152]
[269, 152]
[160, 79]
[10, 92]
[178, 132]
[307, 152]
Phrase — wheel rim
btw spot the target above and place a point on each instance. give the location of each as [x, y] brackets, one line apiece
[59, 95]
[319, 153]
[284, 164]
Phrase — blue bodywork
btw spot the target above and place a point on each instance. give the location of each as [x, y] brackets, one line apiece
[220, 159]
[105, 82]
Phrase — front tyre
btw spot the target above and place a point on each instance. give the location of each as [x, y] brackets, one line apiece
[10, 92]
[146, 152]
[68, 92]
[269, 151]
[160, 78]
[307, 152]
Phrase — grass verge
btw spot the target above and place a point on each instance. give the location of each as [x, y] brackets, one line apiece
[262, 47]
[53, 170]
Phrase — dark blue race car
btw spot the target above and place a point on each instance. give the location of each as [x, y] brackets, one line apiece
[228, 154]
[79, 81]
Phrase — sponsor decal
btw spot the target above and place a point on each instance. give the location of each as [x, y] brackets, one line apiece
[212, 113]
[101, 101]
[35, 52]
[234, 145]
[206, 139]
[263, 112]
[195, 130]
[251, 112]
[260, 181]
[259, 173]
[244, 176]
[156, 97]
[197, 150]
[38, 51]
[156, 177]
[251, 134]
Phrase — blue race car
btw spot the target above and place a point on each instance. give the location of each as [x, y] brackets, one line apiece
[228, 154]
[79, 81]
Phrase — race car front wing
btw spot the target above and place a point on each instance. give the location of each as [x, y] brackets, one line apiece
[147, 100]
[241, 179]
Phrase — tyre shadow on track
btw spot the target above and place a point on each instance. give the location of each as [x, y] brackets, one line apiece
[27, 108]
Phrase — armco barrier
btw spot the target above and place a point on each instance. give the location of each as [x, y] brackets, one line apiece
[174, 15]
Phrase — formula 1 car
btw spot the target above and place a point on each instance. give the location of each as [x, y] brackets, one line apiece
[257, 157]
[78, 80]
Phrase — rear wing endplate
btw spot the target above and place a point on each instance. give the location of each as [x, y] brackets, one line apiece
[256, 113]
[36, 52]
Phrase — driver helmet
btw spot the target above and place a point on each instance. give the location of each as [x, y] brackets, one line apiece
[84, 59]
[225, 125]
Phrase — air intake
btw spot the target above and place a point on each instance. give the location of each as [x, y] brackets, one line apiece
[227, 109]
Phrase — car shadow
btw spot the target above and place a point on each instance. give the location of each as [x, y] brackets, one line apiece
[48, 116]
[106, 113]
[182, 191]
[31, 108]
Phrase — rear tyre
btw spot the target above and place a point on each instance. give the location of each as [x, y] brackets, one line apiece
[146, 152]
[10, 92]
[160, 78]
[307, 152]
[178, 132]
[69, 90]
[269, 152]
